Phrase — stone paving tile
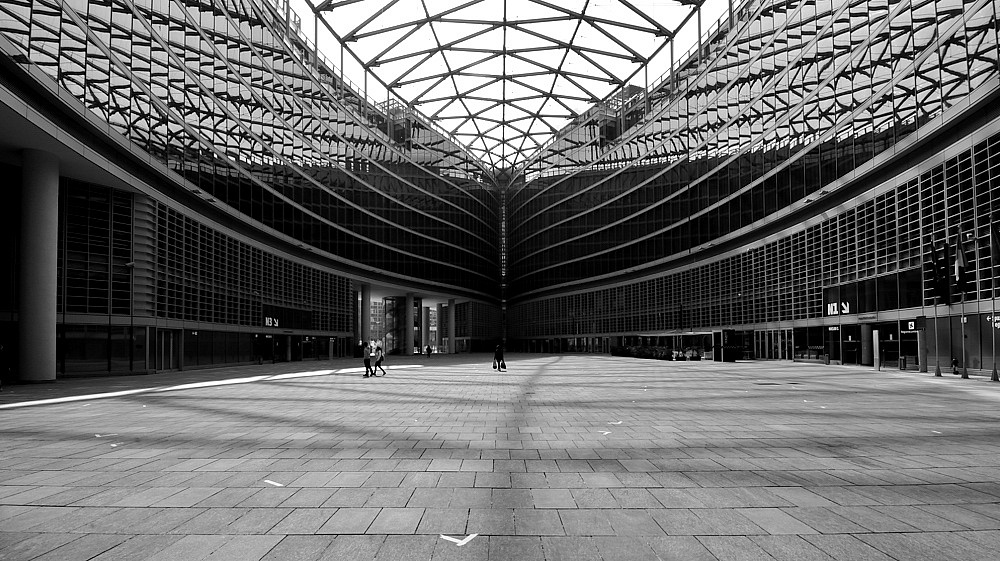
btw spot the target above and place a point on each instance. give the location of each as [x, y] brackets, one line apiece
[448, 521]
[17, 546]
[633, 523]
[963, 517]
[86, 547]
[107, 520]
[846, 546]
[137, 547]
[349, 521]
[224, 498]
[520, 548]
[775, 521]
[243, 548]
[494, 521]
[734, 548]
[689, 472]
[679, 548]
[396, 521]
[586, 522]
[258, 521]
[405, 548]
[594, 498]
[790, 548]
[511, 498]
[310, 497]
[26, 518]
[531, 522]
[303, 521]
[464, 497]
[625, 549]
[355, 548]
[569, 549]
[164, 520]
[476, 550]
[432, 497]
[349, 497]
[190, 547]
[552, 498]
[635, 498]
[210, 521]
[187, 497]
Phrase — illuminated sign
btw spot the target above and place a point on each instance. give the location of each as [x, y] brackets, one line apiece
[286, 318]
[837, 309]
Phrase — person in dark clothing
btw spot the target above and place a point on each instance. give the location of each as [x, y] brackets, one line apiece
[366, 353]
[379, 357]
[498, 363]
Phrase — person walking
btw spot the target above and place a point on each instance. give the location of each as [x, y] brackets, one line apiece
[366, 353]
[498, 363]
[379, 357]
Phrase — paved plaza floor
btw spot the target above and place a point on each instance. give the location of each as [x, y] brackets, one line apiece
[562, 457]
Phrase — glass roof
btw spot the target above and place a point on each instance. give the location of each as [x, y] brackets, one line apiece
[503, 76]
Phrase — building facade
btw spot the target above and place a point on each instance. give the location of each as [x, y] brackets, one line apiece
[192, 184]
[219, 194]
[790, 180]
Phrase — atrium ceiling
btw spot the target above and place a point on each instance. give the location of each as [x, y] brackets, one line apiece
[504, 76]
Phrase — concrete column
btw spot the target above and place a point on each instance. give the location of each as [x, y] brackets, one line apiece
[288, 348]
[922, 349]
[408, 328]
[38, 251]
[425, 328]
[452, 346]
[440, 330]
[366, 312]
[180, 349]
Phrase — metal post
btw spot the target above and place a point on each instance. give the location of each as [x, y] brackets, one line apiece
[965, 370]
[937, 340]
[131, 314]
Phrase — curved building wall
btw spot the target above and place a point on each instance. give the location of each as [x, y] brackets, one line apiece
[797, 100]
[223, 195]
[813, 155]
[223, 94]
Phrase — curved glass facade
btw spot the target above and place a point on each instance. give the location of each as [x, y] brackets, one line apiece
[791, 181]
[232, 100]
[791, 101]
[792, 178]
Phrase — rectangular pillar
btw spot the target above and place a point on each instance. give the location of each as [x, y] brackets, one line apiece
[366, 312]
[408, 328]
[452, 344]
[425, 328]
[440, 327]
[38, 248]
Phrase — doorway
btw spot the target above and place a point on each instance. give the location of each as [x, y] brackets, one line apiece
[167, 349]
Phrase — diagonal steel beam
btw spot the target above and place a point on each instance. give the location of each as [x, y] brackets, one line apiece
[375, 14]
[418, 22]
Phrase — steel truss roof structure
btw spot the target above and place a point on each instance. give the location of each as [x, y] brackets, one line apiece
[504, 76]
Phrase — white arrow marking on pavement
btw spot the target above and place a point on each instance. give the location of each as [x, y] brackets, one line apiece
[273, 483]
[457, 541]
[614, 422]
[605, 432]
